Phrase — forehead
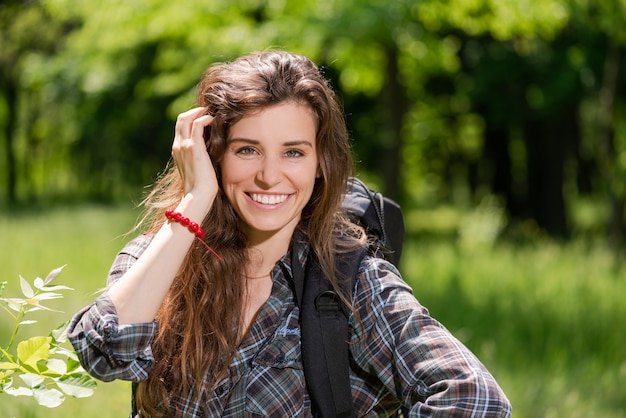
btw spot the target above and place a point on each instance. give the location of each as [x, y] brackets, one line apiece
[283, 121]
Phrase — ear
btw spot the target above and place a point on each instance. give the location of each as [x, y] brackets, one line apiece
[319, 172]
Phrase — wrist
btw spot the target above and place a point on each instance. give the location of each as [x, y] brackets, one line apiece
[193, 227]
[195, 206]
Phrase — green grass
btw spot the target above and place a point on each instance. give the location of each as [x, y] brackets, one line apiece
[546, 319]
[86, 239]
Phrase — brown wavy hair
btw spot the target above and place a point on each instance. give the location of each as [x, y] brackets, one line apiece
[199, 320]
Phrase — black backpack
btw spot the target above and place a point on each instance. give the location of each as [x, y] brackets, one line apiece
[323, 317]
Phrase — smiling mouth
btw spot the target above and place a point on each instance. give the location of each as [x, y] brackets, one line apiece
[268, 199]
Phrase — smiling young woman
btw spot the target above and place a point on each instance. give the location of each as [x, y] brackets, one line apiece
[200, 309]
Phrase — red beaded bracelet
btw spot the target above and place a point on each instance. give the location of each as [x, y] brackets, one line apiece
[191, 226]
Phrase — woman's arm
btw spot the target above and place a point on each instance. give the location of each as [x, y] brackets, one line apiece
[105, 349]
[138, 294]
[417, 358]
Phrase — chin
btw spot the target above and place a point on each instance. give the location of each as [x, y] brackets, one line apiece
[270, 228]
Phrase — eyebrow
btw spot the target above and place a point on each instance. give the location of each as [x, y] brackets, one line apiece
[287, 144]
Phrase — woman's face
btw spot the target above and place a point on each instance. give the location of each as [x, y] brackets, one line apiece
[269, 168]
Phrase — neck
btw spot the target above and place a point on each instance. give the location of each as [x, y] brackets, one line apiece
[263, 256]
[266, 248]
[262, 276]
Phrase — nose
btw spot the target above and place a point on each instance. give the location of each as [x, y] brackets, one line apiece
[269, 173]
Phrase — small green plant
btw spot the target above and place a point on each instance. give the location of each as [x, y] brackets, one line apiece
[47, 371]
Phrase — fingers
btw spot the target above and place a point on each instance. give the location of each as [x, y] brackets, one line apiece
[189, 131]
[190, 153]
[186, 121]
[197, 128]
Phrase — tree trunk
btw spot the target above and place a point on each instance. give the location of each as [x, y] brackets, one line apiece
[395, 106]
[545, 143]
[499, 160]
[10, 94]
[607, 146]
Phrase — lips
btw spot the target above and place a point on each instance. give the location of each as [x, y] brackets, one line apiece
[268, 199]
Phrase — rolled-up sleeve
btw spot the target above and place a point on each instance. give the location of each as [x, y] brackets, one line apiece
[105, 349]
[416, 357]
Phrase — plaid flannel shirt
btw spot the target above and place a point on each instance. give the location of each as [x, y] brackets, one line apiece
[400, 355]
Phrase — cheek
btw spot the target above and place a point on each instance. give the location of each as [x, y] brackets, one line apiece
[306, 181]
[231, 172]
[230, 177]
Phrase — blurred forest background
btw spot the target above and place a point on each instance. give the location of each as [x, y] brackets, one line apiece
[499, 125]
[448, 102]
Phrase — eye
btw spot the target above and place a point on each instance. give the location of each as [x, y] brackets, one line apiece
[294, 153]
[247, 150]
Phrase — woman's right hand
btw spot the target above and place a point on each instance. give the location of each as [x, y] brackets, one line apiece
[191, 156]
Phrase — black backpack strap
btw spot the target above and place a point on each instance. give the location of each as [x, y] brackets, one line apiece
[324, 319]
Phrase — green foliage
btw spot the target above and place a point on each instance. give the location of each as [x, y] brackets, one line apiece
[503, 20]
[47, 370]
[447, 102]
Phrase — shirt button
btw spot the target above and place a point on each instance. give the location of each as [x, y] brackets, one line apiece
[280, 358]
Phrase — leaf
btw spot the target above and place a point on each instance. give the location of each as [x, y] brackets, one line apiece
[50, 398]
[53, 274]
[73, 365]
[32, 380]
[27, 291]
[9, 366]
[33, 350]
[57, 366]
[57, 287]
[19, 391]
[34, 304]
[59, 335]
[14, 303]
[38, 307]
[63, 352]
[79, 386]
[38, 283]
[48, 296]
[6, 380]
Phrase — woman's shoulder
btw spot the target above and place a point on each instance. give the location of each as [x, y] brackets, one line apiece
[380, 291]
[373, 265]
[377, 275]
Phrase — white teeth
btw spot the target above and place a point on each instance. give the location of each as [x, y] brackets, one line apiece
[268, 199]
